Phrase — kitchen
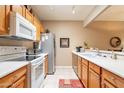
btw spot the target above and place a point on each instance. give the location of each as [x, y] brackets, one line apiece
[65, 44]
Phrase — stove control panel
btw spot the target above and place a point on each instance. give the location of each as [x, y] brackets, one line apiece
[6, 50]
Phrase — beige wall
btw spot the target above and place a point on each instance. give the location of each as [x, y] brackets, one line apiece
[77, 35]
[114, 28]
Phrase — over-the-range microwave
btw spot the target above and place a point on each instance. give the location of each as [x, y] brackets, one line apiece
[20, 28]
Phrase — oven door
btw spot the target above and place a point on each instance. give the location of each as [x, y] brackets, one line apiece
[37, 74]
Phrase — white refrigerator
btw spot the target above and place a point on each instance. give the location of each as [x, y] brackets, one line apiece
[48, 45]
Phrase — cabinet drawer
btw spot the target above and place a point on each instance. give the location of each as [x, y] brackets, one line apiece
[85, 61]
[94, 67]
[20, 83]
[11, 78]
[113, 79]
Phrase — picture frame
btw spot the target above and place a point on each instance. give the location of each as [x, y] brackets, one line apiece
[64, 42]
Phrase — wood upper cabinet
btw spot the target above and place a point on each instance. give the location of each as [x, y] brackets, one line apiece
[37, 25]
[111, 80]
[84, 74]
[4, 19]
[79, 67]
[17, 8]
[29, 16]
[42, 28]
[17, 79]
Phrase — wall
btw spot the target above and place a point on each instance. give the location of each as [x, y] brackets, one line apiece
[77, 35]
[114, 28]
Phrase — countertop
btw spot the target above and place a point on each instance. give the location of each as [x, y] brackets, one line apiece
[112, 65]
[9, 67]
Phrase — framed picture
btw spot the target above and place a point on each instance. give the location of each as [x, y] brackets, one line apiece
[64, 42]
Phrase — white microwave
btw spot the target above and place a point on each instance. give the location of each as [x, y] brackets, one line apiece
[20, 28]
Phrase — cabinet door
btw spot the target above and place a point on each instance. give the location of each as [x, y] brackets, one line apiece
[74, 62]
[20, 83]
[94, 79]
[36, 24]
[46, 65]
[84, 77]
[18, 8]
[107, 84]
[4, 19]
[41, 27]
[79, 67]
[29, 16]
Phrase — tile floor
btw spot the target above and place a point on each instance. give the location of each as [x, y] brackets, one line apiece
[52, 81]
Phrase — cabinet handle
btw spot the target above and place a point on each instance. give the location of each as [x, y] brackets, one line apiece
[112, 78]
[15, 77]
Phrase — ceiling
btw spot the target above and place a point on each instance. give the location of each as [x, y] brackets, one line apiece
[113, 13]
[62, 12]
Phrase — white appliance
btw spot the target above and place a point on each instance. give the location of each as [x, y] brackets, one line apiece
[36, 70]
[20, 28]
[37, 73]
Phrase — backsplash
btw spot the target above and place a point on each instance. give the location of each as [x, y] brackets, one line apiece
[8, 42]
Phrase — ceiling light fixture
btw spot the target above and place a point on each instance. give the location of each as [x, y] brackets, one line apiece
[73, 9]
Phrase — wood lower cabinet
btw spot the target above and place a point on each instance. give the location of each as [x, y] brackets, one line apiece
[79, 67]
[84, 77]
[46, 65]
[20, 83]
[17, 79]
[111, 80]
[94, 76]
[94, 79]
[84, 72]
[4, 19]
[107, 84]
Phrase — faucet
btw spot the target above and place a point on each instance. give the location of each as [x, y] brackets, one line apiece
[113, 55]
[98, 52]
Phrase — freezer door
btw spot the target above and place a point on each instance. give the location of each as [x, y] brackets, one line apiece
[49, 47]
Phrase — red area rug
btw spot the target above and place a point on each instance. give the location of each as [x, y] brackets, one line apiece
[70, 83]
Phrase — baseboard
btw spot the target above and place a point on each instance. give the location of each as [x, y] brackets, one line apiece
[63, 66]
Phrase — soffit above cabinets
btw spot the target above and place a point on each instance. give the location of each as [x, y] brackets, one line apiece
[62, 12]
[113, 13]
